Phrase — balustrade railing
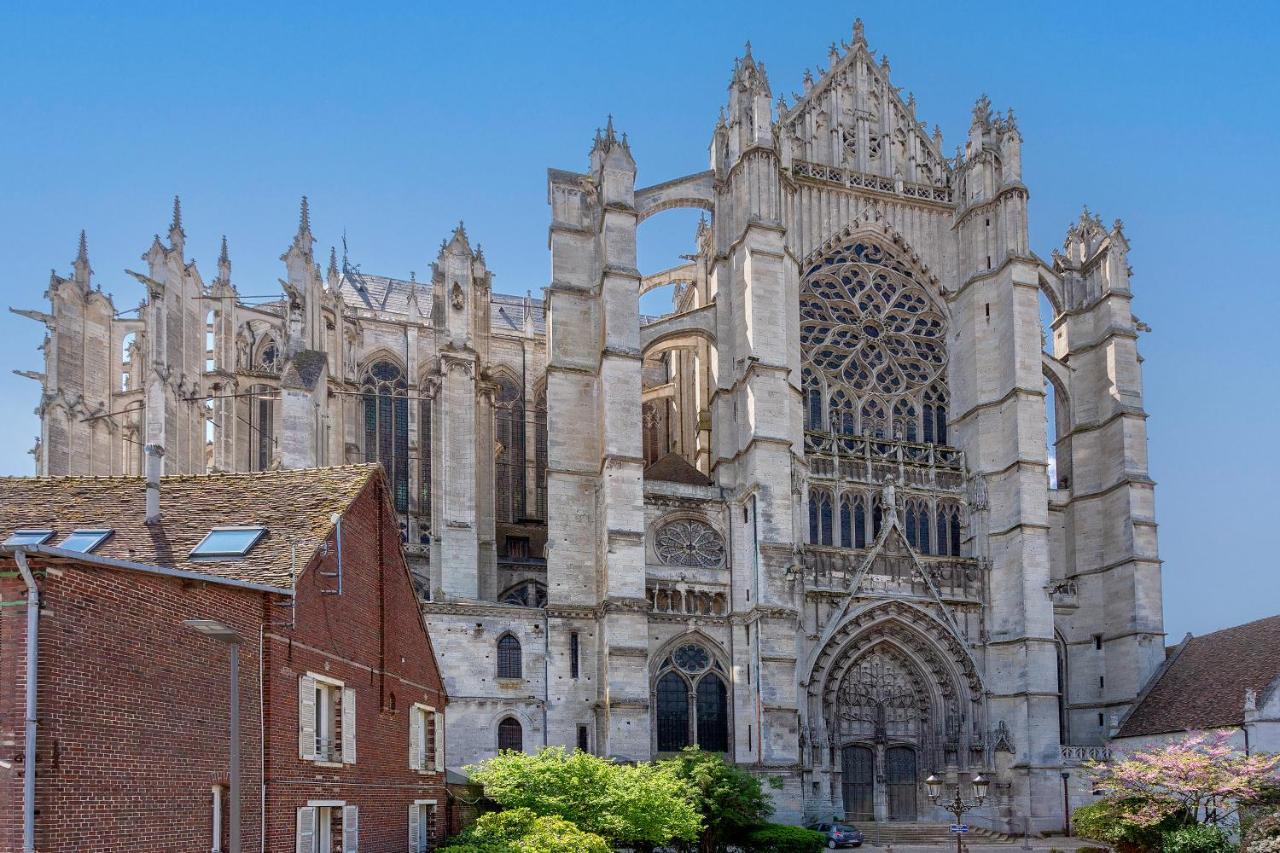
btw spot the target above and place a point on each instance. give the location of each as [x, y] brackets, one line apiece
[862, 180]
[685, 599]
[835, 456]
[1081, 754]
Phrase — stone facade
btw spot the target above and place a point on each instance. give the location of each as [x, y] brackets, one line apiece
[804, 518]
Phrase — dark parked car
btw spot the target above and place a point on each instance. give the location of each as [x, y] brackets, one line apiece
[839, 835]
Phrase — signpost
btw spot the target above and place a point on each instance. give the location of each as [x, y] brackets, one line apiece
[959, 828]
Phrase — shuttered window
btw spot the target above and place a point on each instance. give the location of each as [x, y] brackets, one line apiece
[326, 720]
[422, 825]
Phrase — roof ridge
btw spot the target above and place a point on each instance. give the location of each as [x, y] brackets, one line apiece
[131, 478]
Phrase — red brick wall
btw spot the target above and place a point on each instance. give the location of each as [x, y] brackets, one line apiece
[133, 711]
[338, 636]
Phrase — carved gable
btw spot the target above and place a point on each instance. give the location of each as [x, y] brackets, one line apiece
[854, 118]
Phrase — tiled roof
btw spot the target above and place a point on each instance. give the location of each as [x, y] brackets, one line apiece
[294, 506]
[674, 468]
[1203, 683]
[391, 295]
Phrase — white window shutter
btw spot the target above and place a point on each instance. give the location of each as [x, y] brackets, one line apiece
[415, 738]
[350, 829]
[439, 740]
[415, 829]
[348, 725]
[306, 829]
[307, 720]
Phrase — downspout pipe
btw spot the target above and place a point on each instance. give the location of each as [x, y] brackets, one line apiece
[33, 668]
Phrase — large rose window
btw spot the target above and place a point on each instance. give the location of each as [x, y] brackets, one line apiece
[867, 323]
[690, 543]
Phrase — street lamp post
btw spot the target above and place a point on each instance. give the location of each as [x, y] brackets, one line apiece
[957, 806]
[225, 634]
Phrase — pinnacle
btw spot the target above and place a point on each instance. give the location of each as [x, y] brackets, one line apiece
[859, 32]
[176, 224]
[83, 253]
[333, 260]
[304, 217]
[223, 256]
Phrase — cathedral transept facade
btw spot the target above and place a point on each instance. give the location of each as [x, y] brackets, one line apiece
[806, 518]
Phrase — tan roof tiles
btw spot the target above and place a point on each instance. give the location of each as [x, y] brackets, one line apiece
[294, 506]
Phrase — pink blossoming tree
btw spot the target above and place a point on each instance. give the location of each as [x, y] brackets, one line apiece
[1201, 776]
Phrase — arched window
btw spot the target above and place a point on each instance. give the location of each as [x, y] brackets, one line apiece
[525, 594]
[955, 533]
[509, 662]
[904, 420]
[510, 735]
[691, 695]
[713, 714]
[262, 438]
[384, 394]
[859, 522]
[424, 469]
[942, 533]
[935, 415]
[846, 521]
[843, 414]
[873, 419]
[540, 451]
[813, 400]
[820, 517]
[509, 432]
[673, 713]
[923, 536]
[269, 356]
[911, 526]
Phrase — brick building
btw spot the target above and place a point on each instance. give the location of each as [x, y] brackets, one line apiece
[341, 704]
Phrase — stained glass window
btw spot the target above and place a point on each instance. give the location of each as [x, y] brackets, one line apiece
[873, 339]
[820, 517]
[713, 714]
[424, 466]
[673, 713]
[846, 522]
[509, 432]
[384, 394]
[859, 523]
[540, 452]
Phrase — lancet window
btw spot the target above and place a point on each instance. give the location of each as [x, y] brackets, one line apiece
[691, 696]
[509, 432]
[384, 396]
[873, 342]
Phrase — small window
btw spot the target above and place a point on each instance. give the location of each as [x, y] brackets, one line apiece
[509, 663]
[29, 537]
[584, 744]
[573, 654]
[510, 735]
[228, 541]
[86, 541]
[1097, 642]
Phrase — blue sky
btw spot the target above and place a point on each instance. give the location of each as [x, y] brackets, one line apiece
[399, 120]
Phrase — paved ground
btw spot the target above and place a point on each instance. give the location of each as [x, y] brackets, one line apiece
[980, 846]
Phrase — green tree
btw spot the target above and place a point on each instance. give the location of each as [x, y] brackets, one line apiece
[522, 831]
[643, 804]
[731, 800]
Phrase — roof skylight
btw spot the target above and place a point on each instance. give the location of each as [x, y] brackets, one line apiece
[228, 542]
[85, 539]
[29, 536]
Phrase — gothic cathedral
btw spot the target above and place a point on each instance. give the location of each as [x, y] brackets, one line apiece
[806, 519]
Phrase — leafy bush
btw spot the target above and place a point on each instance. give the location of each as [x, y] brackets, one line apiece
[1199, 838]
[730, 799]
[642, 804]
[1112, 821]
[777, 838]
[522, 831]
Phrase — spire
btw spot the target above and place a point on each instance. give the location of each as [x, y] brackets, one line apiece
[224, 263]
[177, 237]
[81, 263]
